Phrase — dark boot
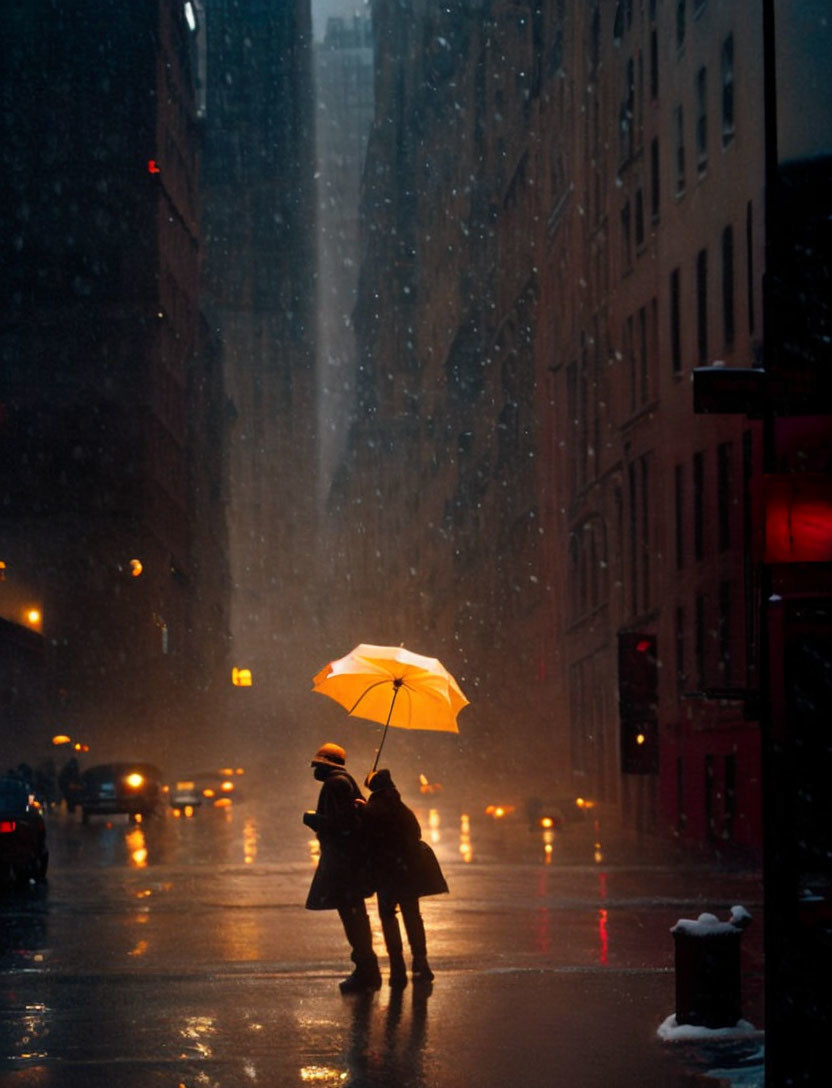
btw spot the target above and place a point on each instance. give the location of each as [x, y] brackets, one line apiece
[395, 951]
[421, 969]
[415, 929]
[366, 975]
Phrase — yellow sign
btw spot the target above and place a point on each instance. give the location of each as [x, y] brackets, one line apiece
[241, 678]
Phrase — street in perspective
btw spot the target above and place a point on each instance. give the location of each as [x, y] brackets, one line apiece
[177, 952]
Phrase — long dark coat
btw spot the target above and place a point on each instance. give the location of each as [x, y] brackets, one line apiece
[402, 866]
[341, 877]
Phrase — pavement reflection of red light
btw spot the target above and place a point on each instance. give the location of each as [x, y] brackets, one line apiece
[602, 935]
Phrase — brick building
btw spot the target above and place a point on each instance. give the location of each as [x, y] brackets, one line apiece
[564, 218]
[657, 269]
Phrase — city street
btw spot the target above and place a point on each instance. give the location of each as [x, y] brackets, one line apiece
[179, 953]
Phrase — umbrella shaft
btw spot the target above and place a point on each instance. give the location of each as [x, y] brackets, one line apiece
[386, 725]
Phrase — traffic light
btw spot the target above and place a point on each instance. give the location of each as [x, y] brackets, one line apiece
[638, 683]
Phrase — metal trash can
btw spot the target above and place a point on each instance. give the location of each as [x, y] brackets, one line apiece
[708, 979]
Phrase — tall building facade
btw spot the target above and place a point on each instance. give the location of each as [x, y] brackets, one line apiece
[259, 288]
[656, 269]
[442, 541]
[563, 212]
[100, 347]
[343, 115]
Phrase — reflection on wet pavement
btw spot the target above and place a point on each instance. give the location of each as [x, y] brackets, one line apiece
[223, 979]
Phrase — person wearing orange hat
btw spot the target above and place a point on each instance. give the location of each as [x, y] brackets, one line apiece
[341, 880]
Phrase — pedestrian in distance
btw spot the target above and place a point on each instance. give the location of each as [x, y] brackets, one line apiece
[341, 877]
[404, 868]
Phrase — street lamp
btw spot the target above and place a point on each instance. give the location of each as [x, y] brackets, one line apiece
[33, 617]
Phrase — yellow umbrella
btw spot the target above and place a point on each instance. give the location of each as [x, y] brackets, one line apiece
[394, 686]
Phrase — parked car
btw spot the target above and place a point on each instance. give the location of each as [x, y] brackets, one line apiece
[23, 851]
[110, 788]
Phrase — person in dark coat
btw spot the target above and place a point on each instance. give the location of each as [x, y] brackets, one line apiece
[403, 870]
[341, 877]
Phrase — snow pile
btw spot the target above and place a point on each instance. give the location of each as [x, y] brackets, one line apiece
[708, 925]
[672, 1032]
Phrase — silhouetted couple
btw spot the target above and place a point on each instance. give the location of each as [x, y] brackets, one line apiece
[371, 847]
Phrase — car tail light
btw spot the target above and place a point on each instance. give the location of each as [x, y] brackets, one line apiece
[7, 826]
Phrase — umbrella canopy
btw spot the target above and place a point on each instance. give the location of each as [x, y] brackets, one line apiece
[394, 686]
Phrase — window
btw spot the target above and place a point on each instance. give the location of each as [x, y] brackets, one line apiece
[702, 306]
[643, 357]
[701, 121]
[700, 641]
[725, 495]
[574, 577]
[639, 219]
[680, 23]
[654, 64]
[728, 90]
[729, 803]
[676, 321]
[728, 287]
[646, 596]
[681, 816]
[725, 662]
[626, 240]
[679, 137]
[628, 121]
[574, 420]
[655, 191]
[710, 796]
[679, 495]
[680, 645]
[630, 359]
[579, 742]
[639, 485]
[698, 505]
[618, 23]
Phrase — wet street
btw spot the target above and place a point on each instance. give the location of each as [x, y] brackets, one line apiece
[178, 953]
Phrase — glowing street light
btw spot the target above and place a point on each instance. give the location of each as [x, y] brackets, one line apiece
[33, 618]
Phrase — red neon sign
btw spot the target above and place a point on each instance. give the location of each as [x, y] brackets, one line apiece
[798, 518]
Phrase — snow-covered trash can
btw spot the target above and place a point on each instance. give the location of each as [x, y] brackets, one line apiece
[708, 980]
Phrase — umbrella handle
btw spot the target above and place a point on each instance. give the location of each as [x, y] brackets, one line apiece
[396, 685]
